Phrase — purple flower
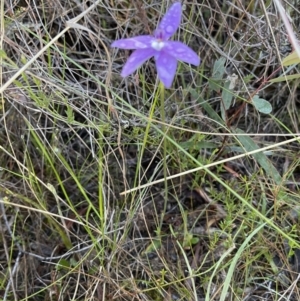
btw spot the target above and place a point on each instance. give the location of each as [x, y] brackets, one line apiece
[165, 52]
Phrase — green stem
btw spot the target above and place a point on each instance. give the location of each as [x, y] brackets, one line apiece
[164, 130]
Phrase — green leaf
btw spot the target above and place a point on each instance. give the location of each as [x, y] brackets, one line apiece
[284, 78]
[219, 68]
[261, 158]
[217, 75]
[227, 97]
[215, 84]
[3, 54]
[154, 246]
[262, 105]
[247, 78]
[194, 240]
[62, 264]
[291, 59]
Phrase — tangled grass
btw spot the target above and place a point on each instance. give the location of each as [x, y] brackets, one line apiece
[101, 200]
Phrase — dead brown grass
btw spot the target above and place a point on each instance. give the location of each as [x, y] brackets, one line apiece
[71, 141]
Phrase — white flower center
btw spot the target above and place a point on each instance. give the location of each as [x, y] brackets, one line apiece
[157, 45]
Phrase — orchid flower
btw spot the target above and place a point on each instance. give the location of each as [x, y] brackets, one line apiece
[165, 52]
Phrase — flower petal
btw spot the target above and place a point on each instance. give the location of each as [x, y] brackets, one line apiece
[182, 52]
[136, 59]
[166, 68]
[170, 22]
[139, 42]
